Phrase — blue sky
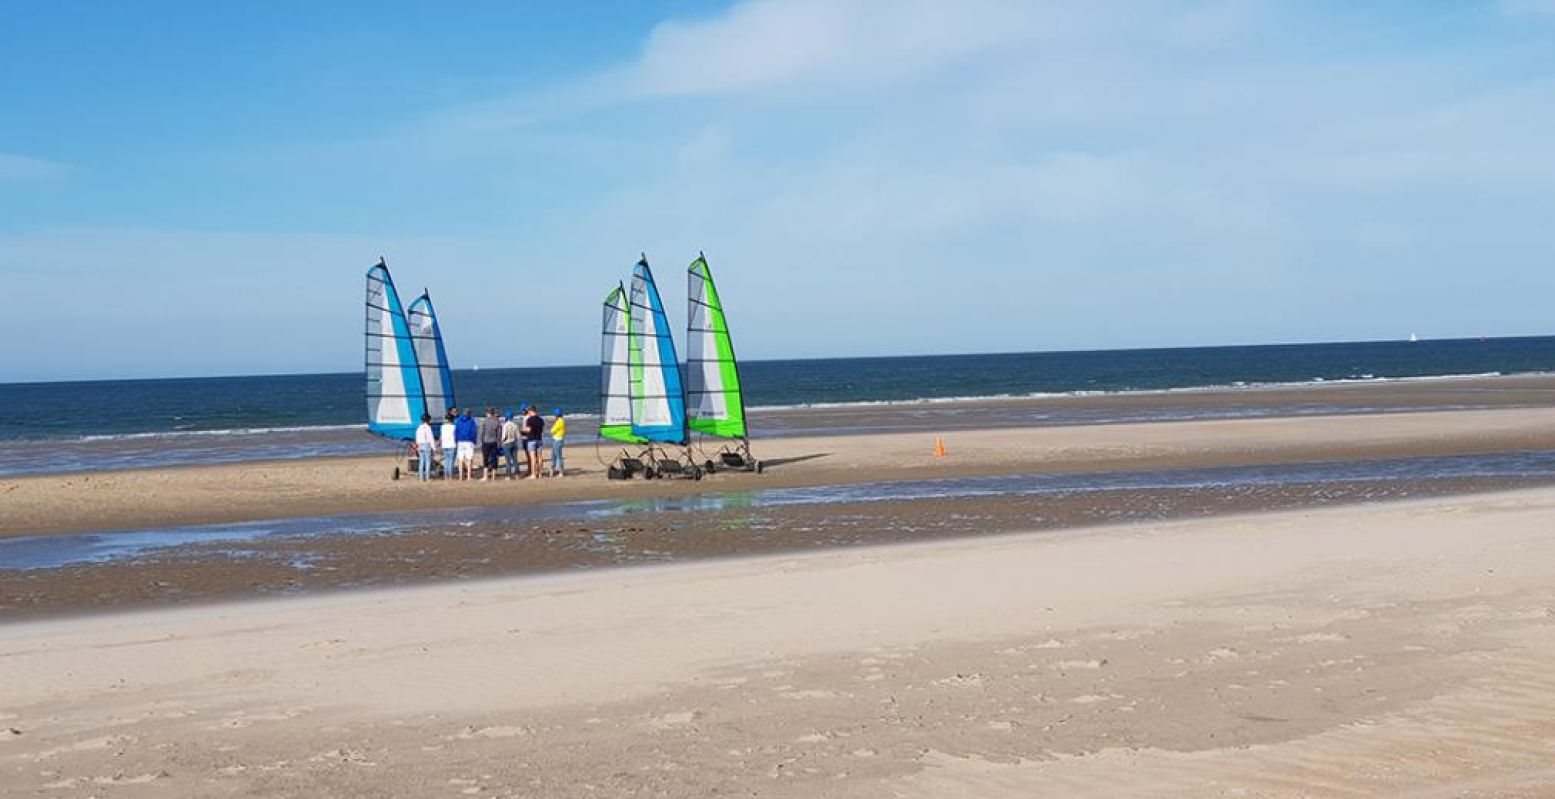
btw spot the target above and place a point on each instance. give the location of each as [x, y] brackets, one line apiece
[197, 188]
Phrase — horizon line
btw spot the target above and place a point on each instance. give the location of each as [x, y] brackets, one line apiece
[477, 367]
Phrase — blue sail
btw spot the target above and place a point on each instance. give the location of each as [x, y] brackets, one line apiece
[658, 401]
[437, 379]
[395, 396]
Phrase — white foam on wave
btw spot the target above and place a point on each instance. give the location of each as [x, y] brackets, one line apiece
[235, 431]
[1207, 388]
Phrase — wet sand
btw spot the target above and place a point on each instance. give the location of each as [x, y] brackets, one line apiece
[289, 565]
[237, 492]
[1387, 650]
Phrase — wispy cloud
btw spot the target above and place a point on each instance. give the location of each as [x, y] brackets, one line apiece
[1527, 8]
[867, 44]
[25, 168]
[1093, 174]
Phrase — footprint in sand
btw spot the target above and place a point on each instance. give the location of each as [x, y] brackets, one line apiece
[1072, 665]
[810, 694]
[673, 720]
[471, 733]
[1315, 638]
[1223, 653]
[90, 744]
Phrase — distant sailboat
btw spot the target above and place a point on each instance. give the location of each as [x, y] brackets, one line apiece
[1414, 339]
[437, 379]
[714, 399]
[395, 397]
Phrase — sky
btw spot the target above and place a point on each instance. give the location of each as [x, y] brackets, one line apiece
[194, 188]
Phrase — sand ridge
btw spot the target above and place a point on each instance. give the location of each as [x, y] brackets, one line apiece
[1386, 650]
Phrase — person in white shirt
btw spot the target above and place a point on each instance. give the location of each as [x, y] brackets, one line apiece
[426, 444]
[450, 447]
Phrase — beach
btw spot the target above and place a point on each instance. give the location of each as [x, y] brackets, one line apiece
[270, 489]
[1397, 649]
[1347, 604]
[915, 400]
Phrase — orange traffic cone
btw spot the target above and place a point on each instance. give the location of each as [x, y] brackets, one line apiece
[939, 447]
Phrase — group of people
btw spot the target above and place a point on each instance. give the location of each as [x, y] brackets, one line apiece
[506, 443]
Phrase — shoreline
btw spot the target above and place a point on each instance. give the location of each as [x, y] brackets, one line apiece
[1268, 654]
[118, 500]
[140, 451]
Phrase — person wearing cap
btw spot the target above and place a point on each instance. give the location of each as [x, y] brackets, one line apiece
[510, 445]
[534, 431]
[558, 435]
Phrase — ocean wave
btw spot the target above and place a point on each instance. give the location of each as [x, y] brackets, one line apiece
[1200, 389]
[234, 431]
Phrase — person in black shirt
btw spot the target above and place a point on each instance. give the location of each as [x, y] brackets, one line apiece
[534, 430]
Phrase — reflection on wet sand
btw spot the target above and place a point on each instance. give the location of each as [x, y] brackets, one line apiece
[61, 573]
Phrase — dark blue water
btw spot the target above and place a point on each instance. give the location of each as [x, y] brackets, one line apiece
[31, 411]
[53, 551]
[144, 423]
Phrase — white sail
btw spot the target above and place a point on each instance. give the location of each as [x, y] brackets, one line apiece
[615, 369]
[714, 403]
[395, 399]
[658, 403]
[436, 376]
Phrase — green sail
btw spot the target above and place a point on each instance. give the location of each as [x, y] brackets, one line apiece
[714, 401]
[617, 367]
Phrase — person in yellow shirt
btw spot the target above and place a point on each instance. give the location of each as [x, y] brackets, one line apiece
[558, 435]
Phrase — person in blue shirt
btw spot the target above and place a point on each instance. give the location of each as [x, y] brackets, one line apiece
[465, 434]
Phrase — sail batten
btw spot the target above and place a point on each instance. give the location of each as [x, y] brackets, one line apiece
[714, 400]
[396, 397]
[658, 400]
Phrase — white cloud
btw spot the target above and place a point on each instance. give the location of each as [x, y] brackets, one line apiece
[1527, 8]
[823, 45]
[1145, 173]
[24, 168]
[1095, 155]
[767, 43]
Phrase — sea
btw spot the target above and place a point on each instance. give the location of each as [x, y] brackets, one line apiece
[117, 424]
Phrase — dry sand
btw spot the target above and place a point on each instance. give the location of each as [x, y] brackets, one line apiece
[141, 498]
[1389, 650]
